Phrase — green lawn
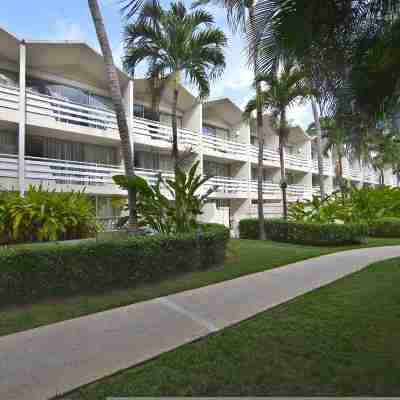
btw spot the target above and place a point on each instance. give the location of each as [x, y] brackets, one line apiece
[340, 340]
[245, 257]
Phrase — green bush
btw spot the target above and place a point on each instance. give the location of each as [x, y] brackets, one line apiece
[306, 233]
[248, 228]
[43, 215]
[32, 272]
[385, 228]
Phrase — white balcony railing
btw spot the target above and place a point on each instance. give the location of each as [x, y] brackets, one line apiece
[327, 166]
[70, 172]
[274, 190]
[228, 185]
[212, 144]
[154, 131]
[297, 161]
[70, 113]
[59, 171]
[9, 97]
[271, 156]
[353, 173]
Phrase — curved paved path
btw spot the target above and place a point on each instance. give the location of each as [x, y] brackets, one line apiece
[42, 362]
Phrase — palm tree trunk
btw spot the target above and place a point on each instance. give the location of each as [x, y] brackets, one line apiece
[175, 151]
[340, 175]
[282, 141]
[260, 137]
[319, 150]
[362, 167]
[116, 97]
[260, 178]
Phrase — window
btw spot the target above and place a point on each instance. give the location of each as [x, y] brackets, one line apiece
[153, 161]
[43, 147]
[216, 169]
[8, 78]
[8, 142]
[209, 130]
[69, 93]
[267, 174]
[141, 111]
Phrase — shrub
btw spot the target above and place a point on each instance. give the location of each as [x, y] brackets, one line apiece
[352, 206]
[43, 215]
[56, 269]
[306, 233]
[385, 228]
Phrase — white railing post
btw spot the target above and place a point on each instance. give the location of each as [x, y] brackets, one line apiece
[22, 117]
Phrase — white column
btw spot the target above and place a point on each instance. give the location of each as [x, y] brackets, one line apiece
[130, 114]
[22, 117]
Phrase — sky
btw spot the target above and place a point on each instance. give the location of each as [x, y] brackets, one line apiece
[70, 20]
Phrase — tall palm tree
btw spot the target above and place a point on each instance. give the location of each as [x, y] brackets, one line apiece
[323, 37]
[116, 97]
[177, 43]
[240, 14]
[284, 91]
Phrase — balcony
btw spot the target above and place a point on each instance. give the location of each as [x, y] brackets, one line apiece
[153, 133]
[371, 176]
[352, 173]
[95, 177]
[9, 103]
[218, 147]
[327, 166]
[271, 157]
[228, 187]
[273, 190]
[60, 114]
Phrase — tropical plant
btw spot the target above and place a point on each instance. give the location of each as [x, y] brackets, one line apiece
[42, 215]
[177, 43]
[156, 210]
[354, 206]
[284, 91]
[116, 97]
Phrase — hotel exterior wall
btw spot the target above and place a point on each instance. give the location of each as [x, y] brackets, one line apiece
[41, 114]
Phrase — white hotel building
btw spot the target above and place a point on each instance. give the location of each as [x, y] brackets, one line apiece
[58, 129]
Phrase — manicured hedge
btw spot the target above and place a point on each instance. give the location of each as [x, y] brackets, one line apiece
[385, 228]
[305, 233]
[30, 273]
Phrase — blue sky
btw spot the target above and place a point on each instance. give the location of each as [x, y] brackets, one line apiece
[70, 20]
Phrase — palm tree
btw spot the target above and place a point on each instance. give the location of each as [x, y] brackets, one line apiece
[240, 13]
[284, 91]
[177, 43]
[336, 144]
[386, 151]
[116, 97]
[329, 38]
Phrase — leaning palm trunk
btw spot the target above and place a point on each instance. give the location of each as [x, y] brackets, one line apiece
[260, 137]
[116, 97]
[319, 150]
[282, 141]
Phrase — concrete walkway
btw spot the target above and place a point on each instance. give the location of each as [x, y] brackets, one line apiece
[43, 362]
